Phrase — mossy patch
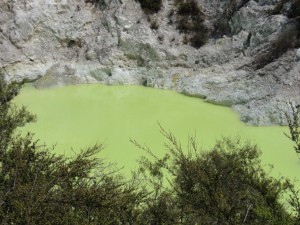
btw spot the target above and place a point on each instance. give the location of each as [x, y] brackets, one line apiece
[175, 78]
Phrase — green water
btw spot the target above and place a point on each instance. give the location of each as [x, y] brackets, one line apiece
[78, 116]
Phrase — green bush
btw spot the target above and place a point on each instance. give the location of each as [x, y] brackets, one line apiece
[190, 20]
[189, 8]
[198, 39]
[225, 185]
[185, 25]
[150, 6]
[293, 121]
[38, 187]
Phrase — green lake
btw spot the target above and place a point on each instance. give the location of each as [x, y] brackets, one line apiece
[79, 116]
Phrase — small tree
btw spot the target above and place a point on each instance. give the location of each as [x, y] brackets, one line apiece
[226, 185]
[150, 6]
[39, 187]
[293, 122]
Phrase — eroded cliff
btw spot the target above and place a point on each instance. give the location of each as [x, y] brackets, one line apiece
[250, 59]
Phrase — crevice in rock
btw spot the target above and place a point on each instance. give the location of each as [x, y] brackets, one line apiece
[73, 43]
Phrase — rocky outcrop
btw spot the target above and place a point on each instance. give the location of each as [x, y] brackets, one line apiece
[61, 42]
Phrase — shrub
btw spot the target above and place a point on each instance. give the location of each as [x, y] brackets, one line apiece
[226, 185]
[150, 6]
[190, 20]
[198, 39]
[38, 187]
[293, 121]
[189, 8]
[185, 25]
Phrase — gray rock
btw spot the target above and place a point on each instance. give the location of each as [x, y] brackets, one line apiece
[64, 42]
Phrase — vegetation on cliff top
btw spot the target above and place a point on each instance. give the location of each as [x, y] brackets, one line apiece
[150, 6]
[190, 21]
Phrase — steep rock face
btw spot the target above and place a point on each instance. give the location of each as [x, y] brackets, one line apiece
[114, 42]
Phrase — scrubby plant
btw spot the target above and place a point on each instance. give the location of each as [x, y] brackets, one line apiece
[189, 8]
[185, 25]
[293, 122]
[190, 20]
[150, 6]
[198, 39]
[225, 185]
[39, 187]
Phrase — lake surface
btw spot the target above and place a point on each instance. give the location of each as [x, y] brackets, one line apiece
[79, 116]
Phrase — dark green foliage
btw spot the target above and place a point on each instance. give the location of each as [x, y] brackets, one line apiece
[190, 20]
[189, 8]
[38, 187]
[188, 25]
[226, 185]
[150, 6]
[10, 117]
[198, 39]
[185, 25]
[294, 201]
[293, 121]
[160, 208]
